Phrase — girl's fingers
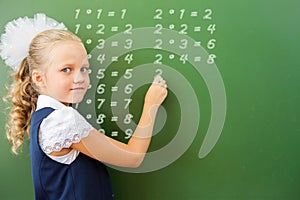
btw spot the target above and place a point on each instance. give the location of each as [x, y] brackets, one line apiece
[158, 80]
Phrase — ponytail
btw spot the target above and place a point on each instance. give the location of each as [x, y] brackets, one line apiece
[23, 93]
[23, 98]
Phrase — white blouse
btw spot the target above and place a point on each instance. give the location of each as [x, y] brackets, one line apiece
[60, 129]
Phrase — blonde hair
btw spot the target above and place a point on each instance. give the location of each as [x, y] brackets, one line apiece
[23, 93]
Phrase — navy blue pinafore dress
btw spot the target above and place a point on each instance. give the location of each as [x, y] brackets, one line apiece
[84, 179]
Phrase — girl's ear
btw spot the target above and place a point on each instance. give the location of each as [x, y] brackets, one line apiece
[38, 78]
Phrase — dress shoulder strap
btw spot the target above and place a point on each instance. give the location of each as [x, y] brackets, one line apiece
[39, 115]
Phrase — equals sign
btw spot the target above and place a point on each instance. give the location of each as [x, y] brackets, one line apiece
[194, 14]
[197, 28]
[114, 29]
[113, 104]
[114, 58]
[114, 43]
[111, 13]
[114, 74]
[114, 133]
[114, 118]
[197, 44]
[114, 88]
[197, 58]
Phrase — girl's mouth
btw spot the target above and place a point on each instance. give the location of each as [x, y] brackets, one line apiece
[77, 88]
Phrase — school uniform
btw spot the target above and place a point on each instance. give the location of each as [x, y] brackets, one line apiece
[73, 176]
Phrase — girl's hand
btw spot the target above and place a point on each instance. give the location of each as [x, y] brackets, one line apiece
[157, 92]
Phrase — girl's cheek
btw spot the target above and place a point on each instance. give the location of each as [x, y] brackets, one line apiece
[88, 80]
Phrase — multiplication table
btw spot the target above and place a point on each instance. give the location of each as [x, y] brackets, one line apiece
[125, 56]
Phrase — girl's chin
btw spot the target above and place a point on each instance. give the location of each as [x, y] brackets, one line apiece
[72, 101]
[77, 98]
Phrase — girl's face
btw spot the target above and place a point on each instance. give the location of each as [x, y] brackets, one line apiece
[66, 75]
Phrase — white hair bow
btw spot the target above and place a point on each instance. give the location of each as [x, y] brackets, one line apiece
[18, 34]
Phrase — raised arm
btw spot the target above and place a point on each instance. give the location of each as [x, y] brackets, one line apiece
[108, 150]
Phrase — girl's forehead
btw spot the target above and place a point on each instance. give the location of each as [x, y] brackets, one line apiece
[66, 45]
[67, 50]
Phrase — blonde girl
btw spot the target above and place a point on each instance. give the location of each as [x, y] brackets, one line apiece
[67, 153]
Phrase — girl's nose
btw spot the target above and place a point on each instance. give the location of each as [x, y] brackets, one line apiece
[79, 77]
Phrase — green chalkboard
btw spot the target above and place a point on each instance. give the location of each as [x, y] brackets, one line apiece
[229, 128]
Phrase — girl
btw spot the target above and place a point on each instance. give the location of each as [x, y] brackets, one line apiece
[66, 151]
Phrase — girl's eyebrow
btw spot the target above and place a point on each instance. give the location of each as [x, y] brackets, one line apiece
[66, 65]
[86, 65]
[73, 63]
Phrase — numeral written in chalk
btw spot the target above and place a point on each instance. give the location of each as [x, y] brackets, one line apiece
[127, 119]
[100, 13]
[101, 101]
[184, 58]
[102, 57]
[128, 133]
[101, 29]
[182, 13]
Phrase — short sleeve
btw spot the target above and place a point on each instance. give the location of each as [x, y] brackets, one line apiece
[61, 129]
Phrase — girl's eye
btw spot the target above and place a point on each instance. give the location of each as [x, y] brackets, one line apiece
[67, 70]
[84, 69]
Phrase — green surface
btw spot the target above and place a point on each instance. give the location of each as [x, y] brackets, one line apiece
[257, 47]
